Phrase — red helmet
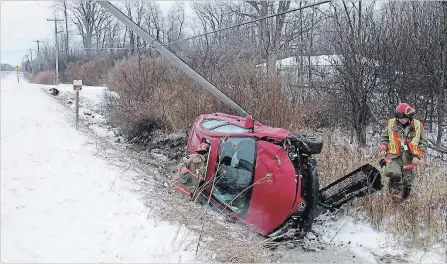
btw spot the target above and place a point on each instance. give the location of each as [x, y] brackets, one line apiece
[203, 147]
[404, 110]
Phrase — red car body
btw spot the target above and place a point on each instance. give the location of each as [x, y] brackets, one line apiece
[274, 192]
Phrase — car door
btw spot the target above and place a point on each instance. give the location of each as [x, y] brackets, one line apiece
[233, 180]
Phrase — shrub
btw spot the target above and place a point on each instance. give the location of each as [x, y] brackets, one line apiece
[151, 88]
[91, 72]
[43, 77]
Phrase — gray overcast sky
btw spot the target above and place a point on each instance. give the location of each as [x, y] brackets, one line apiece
[22, 22]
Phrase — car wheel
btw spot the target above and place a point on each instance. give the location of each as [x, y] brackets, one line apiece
[312, 194]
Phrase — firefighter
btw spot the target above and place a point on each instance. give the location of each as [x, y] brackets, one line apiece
[193, 164]
[403, 144]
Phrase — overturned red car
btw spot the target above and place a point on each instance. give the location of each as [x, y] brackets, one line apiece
[260, 174]
[266, 177]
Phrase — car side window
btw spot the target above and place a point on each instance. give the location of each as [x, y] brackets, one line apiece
[235, 172]
[222, 126]
[231, 129]
[210, 123]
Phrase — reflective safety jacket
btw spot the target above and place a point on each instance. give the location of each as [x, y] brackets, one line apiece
[398, 138]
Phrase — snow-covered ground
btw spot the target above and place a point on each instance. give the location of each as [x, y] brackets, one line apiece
[61, 202]
[372, 245]
[90, 99]
[4, 73]
[338, 240]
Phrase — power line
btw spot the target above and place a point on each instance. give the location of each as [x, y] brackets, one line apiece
[248, 22]
[222, 29]
[117, 48]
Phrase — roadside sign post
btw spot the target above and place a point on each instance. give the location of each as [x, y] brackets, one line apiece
[77, 86]
[17, 70]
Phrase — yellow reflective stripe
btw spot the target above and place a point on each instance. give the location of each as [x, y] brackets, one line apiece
[417, 129]
[392, 140]
[417, 135]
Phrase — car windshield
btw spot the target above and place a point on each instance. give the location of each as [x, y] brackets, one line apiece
[235, 173]
[223, 127]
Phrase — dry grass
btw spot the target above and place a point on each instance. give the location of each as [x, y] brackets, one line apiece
[422, 218]
[43, 77]
[150, 88]
[91, 72]
[242, 246]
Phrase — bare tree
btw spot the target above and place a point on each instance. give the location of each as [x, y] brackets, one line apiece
[271, 30]
[175, 22]
[357, 71]
[414, 58]
[63, 8]
[136, 11]
[154, 21]
[443, 71]
[90, 19]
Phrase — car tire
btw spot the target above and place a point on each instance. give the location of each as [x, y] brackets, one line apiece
[313, 185]
[308, 144]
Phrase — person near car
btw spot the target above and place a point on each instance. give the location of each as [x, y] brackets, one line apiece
[403, 144]
[192, 168]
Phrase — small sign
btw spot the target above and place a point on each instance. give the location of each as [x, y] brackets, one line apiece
[17, 67]
[77, 85]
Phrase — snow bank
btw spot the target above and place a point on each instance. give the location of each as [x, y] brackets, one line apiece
[90, 101]
[373, 245]
[62, 202]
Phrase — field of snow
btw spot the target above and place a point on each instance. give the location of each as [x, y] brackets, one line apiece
[341, 239]
[62, 202]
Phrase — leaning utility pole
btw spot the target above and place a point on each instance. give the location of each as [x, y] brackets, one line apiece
[57, 46]
[38, 53]
[175, 60]
[204, 83]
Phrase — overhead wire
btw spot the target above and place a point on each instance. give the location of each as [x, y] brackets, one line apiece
[247, 22]
[152, 47]
[238, 25]
[227, 28]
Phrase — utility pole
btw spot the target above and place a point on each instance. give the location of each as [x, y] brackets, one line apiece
[27, 63]
[57, 46]
[31, 61]
[175, 60]
[38, 53]
[206, 85]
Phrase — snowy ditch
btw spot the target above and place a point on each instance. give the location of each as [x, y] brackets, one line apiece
[336, 238]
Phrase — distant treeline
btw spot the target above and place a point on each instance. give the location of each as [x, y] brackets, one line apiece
[7, 67]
